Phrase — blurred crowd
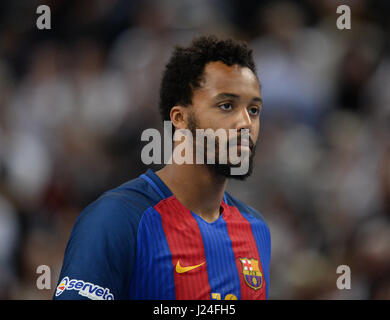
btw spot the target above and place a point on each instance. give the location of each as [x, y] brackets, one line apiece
[75, 99]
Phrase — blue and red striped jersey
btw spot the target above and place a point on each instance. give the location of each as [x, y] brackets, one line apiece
[138, 241]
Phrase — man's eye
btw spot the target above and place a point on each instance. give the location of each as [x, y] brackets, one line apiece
[226, 106]
[254, 111]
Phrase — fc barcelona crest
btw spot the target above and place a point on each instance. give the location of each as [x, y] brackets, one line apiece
[252, 274]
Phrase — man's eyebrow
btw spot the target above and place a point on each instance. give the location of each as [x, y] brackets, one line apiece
[226, 95]
[257, 99]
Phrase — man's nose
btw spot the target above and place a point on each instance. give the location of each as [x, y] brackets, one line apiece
[244, 121]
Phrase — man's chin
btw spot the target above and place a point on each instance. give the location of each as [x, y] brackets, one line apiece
[227, 169]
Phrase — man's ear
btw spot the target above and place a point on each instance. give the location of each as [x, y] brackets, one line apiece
[179, 117]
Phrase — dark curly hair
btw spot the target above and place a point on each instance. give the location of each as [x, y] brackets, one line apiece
[183, 73]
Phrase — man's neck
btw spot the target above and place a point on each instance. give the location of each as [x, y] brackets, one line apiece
[197, 187]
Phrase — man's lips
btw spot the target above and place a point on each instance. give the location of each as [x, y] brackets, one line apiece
[244, 147]
[250, 144]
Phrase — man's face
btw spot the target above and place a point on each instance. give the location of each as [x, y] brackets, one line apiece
[229, 98]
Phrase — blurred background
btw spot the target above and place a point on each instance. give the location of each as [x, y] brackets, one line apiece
[75, 99]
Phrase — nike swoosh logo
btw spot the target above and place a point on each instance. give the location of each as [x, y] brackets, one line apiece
[180, 269]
